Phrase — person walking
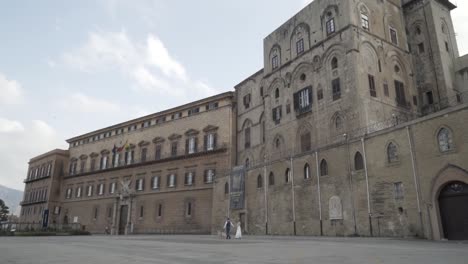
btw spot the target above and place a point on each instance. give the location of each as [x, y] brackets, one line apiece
[239, 231]
[227, 228]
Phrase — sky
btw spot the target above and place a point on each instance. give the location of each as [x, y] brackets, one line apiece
[71, 67]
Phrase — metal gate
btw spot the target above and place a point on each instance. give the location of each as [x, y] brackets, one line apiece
[453, 204]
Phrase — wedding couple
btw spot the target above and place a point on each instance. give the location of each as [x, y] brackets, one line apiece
[227, 227]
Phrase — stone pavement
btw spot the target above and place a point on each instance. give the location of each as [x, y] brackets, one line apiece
[210, 249]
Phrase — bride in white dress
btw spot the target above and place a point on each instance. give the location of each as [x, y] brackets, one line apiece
[239, 231]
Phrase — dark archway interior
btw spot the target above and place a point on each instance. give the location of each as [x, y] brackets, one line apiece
[453, 204]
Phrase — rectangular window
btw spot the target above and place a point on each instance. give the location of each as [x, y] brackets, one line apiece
[393, 36]
[421, 48]
[415, 100]
[447, 46]
[330, 26]
[364, 21]
[78, 192]
[171, 180]
[141, 211]
[400, 94]
[192, 145]
[96, 210]
[300, 46]
[90, 190]
[210, 141]
[189, 209]
[303, 100]
[398, 190]
[143, 154]
[116, 160]
[247, 101]
[101, 189]
[189, 178]
[103, 162]
[158, 152]
[212, 105]
[193, 111]
[140, 184]
[320, 94]
[209, 175]
[174, 149]
[372, 90]
[429, 98]
[112, 188]
[385, 89]
[69, 192]
[93, 164]
[155, 182]
[336, 89]
[129, 157]
[159, 210]
[277, 114]
[275, 62]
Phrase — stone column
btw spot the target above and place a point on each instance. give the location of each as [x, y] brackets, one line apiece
[114, 220]
[129, 218]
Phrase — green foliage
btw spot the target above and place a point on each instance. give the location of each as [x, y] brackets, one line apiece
[4, 211]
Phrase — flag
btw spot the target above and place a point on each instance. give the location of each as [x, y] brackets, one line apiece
[121, 148]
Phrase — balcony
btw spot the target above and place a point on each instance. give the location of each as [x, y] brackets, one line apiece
[148, 161]
[40, 201]
[36, 179]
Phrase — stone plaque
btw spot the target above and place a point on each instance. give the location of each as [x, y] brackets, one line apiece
[335, 208]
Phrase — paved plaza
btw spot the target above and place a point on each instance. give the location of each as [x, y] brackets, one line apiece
[210, 249]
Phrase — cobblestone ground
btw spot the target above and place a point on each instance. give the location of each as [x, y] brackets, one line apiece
[210, 249]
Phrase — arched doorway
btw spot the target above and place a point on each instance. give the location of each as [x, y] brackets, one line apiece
[453, 204]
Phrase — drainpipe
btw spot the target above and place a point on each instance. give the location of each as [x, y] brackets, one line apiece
[293, 195]
[367, 187]
[350, 176]
[319, 193]
[265, 186]
[415, 177]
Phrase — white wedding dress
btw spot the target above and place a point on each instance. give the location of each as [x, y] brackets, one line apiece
[238, 232]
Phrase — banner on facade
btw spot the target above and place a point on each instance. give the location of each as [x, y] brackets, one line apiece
[237, 185]
[45, 218]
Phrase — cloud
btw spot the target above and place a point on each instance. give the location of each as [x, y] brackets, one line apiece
[86, 104]
[147, 64]
[11, 91]
[24, 142]
[9, 126]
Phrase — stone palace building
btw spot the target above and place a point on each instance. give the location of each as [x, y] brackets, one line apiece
[356, 125]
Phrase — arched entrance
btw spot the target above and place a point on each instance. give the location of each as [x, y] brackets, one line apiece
[453, 205]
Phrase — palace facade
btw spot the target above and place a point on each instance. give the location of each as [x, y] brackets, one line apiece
[354, 126]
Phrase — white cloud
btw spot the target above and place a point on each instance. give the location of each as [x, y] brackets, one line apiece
[159, 56]
[11, 91]
[148, 64]
[9, 126]
[34, 138]
[86, 104]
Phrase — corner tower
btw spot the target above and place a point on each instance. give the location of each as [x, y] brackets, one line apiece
[431, 39]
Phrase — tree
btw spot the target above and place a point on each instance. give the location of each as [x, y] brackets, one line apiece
[4, 211]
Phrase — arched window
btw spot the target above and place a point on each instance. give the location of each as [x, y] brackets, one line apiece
[338, 123]
[306, 171]
[271, 179]
[392, 153]
[259, 181]
[277, 93]
[445, 139]
[247, 163]
[278, 143]
[226, 188]
[334, 63]
[323, 168]
[287, 175]
[358, 161]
